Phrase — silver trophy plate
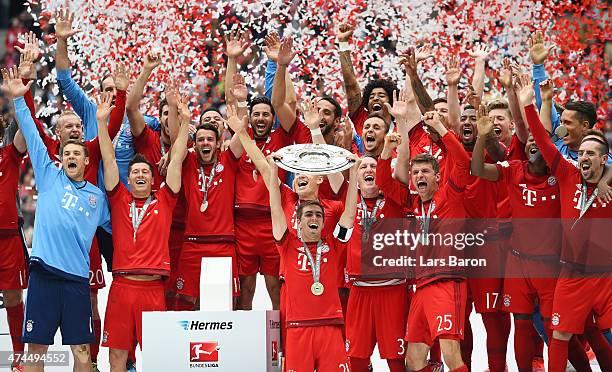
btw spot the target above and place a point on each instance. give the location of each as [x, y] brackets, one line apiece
[314, 159]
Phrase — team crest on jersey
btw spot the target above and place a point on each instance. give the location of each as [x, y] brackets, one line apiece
[93, 201]
[552, 180]
[219, 168]
[507, 300]
[180, 283]
[324, 248]
[29, 325]
[555, 319]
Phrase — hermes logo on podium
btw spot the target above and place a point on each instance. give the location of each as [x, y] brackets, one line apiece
[204, 354]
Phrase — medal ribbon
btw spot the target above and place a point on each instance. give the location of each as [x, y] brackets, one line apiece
[584, 203]
[367, 222]
[425, 220]
[207, 181]
[137, 217]
[316, 266]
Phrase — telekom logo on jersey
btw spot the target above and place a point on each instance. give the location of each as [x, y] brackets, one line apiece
[304, 263]
[69, 201]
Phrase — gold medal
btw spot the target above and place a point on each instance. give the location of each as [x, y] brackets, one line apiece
[204, 206]
[317, 288]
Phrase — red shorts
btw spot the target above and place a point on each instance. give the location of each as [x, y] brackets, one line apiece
[96, 275]
[175, 243]
[486, 293]
[319, 347]
[526, 281]
[377, 315]
[127, 300]
[437, 310]
[578, 298]
[13, 265]
[190, 266]
[255, 245]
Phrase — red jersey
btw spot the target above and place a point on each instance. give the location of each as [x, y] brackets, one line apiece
[447, 203]
[144, 252]
[421, 143]
[584, 243]
[302, 307]
[532, 197]
[375, 209]
[10, 159]
[216, 223]
[251, 191]
[149, 144]
[516, 150]
[358, 118]
[93, 146]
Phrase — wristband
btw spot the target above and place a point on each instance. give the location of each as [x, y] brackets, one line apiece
[242, 104]
[316, 131]
[344, 46]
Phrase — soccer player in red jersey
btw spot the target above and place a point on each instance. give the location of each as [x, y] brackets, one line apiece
[314, 338]
[437, 309]
[13, 272]
[209, 178]
[583, 288]
[141, 227]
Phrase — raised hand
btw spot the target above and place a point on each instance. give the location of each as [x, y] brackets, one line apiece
[12, 84]
[105, 107]
[311, 114]
[184, 114]
[26, 64]
[433, 120]
[537, 51]
[272, 46]
[63, 25]
[30, 44]
[483, 123]
[525, 92]
[171, 93]
[286, 52]
[120, 77]
[546, 90]
[453, 71]
[472, 97]
[355, 159]
[345, 31]
[236, 43]
[236, 123]
[400, 106]
[423, 53]
[151, 60]
[505, 78]
[392, 141]
[239, 90]
[409, 60]
[480, 52]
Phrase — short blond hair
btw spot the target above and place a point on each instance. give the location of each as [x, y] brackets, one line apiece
[66, 113]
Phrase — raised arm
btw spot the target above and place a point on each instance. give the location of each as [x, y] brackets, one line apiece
[238, 122]
[137, 122]
[271, 50]
[410, 60]
[109, 164]
[312, 119]
[391, 188]
[41, 162]
[480, 55]
[350, 204]
[179, 148]
[279, 224]
[31, 48]
[538, 52]
[507, 82]
[351, 87]
[236, 43]
[453, 74]
[172, 98]
[546, 92]
[485, 133]
[284, 112]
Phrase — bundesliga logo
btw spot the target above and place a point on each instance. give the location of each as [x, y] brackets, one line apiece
[105, 336]
[347, 345]
[555, 319]
[29, 325]
[204, 354]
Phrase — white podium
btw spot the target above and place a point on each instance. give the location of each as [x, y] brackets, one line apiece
[214, 338]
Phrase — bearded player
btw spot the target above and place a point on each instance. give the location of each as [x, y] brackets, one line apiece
[314, 315]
